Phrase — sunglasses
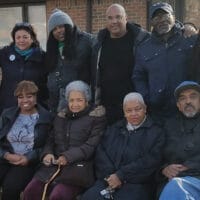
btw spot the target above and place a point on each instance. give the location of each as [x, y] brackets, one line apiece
[23, 24]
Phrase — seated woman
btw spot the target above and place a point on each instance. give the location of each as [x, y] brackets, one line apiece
[73, 140]
[128, 155]
[23, 132]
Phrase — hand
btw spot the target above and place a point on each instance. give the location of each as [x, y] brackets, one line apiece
[48, 159]
[61, 160]
[23, 161]
[114, 181]
[173, 170]
[11, 157]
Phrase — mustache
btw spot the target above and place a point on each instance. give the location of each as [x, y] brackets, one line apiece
[189, 106]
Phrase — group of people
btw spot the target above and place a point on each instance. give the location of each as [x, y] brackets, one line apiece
[114, 116]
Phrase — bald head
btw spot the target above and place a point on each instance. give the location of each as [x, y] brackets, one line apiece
[116, 20]
[116, 6]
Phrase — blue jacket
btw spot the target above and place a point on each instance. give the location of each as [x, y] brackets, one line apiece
[159, 67]
[41, 132]
[15, 69]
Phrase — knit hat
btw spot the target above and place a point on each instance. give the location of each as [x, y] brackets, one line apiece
[184, 86]
[57, 18]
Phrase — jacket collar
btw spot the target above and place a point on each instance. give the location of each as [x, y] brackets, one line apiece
[37, 54]
[44, 115]
[146, 124]
[71, 115]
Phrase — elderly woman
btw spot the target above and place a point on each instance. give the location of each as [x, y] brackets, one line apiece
[128, 155]
[23, 131]
[73, 141]
[23, 59]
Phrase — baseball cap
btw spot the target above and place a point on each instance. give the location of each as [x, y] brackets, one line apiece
[160, 5]
[184, 86]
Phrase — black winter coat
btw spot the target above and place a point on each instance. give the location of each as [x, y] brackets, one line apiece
[138, 35]
[41, 132]
[182, 145]
[15, 69]
[133, 155]
[78, 68]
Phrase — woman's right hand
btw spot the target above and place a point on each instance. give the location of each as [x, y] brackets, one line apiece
[48, 159]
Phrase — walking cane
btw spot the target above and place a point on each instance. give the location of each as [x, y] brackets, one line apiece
[49, 181]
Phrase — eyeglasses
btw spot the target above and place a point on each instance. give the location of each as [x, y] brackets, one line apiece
[23, 24]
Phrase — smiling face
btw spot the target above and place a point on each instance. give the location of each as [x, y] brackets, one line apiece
[134, 112]
[162, 22]
[189, 102]
[23, 39]
[59, 33]
[26, 103]
[77, 101]
[116, 21]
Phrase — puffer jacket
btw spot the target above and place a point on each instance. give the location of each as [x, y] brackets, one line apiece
[41, 132]
[15, 69]
[159, 67]
[74, 136]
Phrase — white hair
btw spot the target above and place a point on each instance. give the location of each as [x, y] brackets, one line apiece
[134, 96]
[79, 86]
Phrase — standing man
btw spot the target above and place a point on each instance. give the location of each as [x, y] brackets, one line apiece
[161, 62]
[113, 60]
[181, 161]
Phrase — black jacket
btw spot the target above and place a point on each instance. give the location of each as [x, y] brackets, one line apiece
[182, 145]
[41, 132]
[133, 155]
[74, 136]
[138, 35]
[16, 68]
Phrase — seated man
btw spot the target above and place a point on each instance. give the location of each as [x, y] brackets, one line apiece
[128, 155]
[181, 169]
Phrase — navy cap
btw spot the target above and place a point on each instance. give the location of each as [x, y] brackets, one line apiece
[184, 86]
[160, 5]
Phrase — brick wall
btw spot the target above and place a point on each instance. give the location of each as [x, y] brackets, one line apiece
[77, 9]
[192, 12]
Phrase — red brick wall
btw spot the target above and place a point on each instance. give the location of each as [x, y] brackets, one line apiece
[77, 9]
[192, 12]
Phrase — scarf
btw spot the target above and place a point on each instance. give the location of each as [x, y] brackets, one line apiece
[60, 47]
[25, 53]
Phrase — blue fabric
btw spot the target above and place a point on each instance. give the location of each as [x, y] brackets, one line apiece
[25, 53]
[187, 188]
[159, 68]
[21, 134]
